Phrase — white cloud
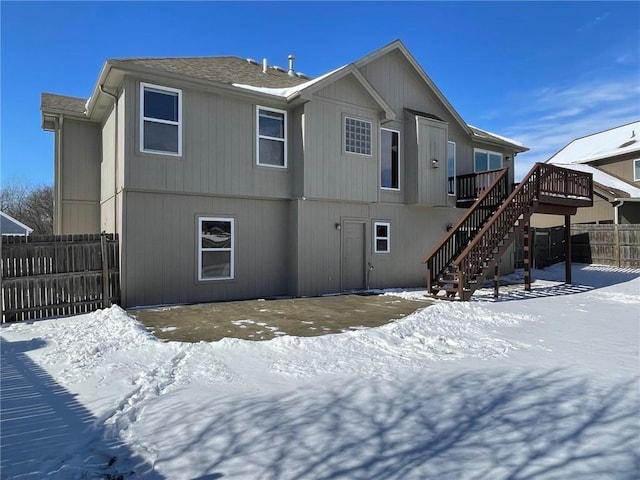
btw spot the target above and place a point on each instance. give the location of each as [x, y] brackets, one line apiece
[549, 118]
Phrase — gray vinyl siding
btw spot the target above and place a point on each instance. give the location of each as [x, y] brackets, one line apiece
[329, 171]
[219, 149]
[413, 232]
[80, 177]
[318, 244]
[395, 79]
[426, 184]
[621, 167]
[160, 260]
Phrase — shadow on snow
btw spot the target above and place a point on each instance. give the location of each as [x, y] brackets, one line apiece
[477, 425]
[46, 432]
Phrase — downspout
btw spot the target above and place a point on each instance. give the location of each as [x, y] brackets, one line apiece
[58, 178]
[115, 158]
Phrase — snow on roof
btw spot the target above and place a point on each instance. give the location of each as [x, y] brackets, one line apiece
[605, 179]
[615, 141]
[287, 91]
[486, 134]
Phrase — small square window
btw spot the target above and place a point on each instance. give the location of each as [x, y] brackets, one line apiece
[381, 237]
[357, 136]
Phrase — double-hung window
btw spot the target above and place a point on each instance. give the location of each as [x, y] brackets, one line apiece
[451, 168]
[272, 137]
[389, 159]
[160, 120]
[357, 136]
[485, 160]
[636, 170]
[215, 248]
[381, 237]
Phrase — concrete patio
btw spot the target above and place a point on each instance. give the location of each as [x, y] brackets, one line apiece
[266, 319]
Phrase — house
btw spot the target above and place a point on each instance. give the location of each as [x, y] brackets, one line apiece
[228, 178]
[613, 158]
[11, 226]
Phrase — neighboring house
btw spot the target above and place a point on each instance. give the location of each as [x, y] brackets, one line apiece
[11, 226]
[226, 178]
[613, 158]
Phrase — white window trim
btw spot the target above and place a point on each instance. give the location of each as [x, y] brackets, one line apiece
[455, 186]
[201, 250]
[487, 152]
[344, 135]
[144, 85]
[635, 179]
[376, 237]
[266, 137]
[380, 150]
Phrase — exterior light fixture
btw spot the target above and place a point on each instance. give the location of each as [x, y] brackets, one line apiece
[434, 163]
[337, 226]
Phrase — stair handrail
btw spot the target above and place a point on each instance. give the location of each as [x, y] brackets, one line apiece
[448, 242]
[487, 239]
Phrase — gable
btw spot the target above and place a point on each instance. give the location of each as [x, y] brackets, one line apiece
[404, 84]
[348, 90]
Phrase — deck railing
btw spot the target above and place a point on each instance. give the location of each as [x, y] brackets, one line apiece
[490, 198]
[482, 235]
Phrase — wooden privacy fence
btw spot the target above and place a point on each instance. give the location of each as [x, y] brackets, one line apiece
[55, 275]
[615, 245]
[603, 244]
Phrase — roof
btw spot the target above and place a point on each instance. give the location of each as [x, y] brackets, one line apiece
[11, 226]
[63, 104]
[608, 143]
[248, 75]
[479, 134]
[227, 70]
[616, 187]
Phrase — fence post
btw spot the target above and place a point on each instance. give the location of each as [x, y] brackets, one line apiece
[105, 271]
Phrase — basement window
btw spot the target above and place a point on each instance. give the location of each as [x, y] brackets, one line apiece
[215, 248]
[381, 237]
[272, 137]
[357, 136]
[160, 120]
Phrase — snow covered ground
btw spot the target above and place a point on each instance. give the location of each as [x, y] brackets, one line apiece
[540, 385]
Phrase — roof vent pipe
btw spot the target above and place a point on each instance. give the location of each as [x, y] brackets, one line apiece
[264, 65]
[291, 72]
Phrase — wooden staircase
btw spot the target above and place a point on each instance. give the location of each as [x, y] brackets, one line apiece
[474, 246]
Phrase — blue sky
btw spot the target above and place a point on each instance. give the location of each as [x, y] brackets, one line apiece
[540, 72]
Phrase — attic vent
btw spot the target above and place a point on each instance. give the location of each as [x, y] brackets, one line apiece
[627, 144]
[252, 61]
[276, 67]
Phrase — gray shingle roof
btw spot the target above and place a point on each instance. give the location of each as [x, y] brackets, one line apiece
[62, 103]
[220, 69]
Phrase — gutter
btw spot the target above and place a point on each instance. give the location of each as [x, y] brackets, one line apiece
[621, 201]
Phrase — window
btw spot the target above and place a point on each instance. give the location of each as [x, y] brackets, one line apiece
[160, 120]
[381, 237]
[357, 136]
[636, 170]
[484, 160]
[389, 159]
[451, 168]
[272, 137]
[215, 248]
